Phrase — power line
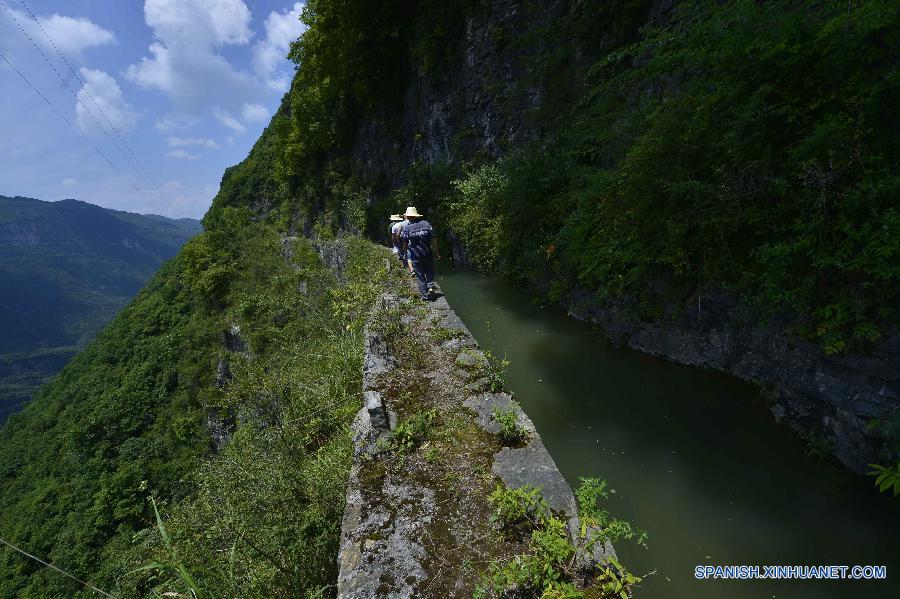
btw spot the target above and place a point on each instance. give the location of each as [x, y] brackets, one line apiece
[77, 99]
[60, 570]
[65, 120]
[87, 90]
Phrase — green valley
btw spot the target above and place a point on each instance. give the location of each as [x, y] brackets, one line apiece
[66, 268]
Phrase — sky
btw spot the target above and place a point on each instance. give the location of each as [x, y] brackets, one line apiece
[149, 101]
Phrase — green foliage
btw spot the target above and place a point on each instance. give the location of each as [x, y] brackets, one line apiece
[74, 462]
[747, 146]
[134, 410]
[438, 30]
[297, 396]
[819, 446]
[887, 431]
[596, 522]
[886, 478]
[614, 580]
[518, 510]
[774, 178]
[510, 431]
[495, 371]
[172, 566]
[411, 433]
[548, 568]
[476, 215]
[441, 334]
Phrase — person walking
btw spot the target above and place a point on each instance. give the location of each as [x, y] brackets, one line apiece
[396, 225]
[420, 248]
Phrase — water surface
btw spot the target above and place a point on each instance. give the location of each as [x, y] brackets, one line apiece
[695, 457]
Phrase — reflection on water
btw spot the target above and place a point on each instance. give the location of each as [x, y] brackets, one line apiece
[694, 456]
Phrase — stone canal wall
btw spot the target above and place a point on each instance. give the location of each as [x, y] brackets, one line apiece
[428, 454]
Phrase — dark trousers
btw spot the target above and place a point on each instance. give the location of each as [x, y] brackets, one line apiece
[424, 270]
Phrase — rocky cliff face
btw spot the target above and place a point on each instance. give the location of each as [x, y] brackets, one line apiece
[478, 108]
[485, 104]
[830, 400]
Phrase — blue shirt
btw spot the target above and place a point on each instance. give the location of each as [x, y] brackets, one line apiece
[418, 235]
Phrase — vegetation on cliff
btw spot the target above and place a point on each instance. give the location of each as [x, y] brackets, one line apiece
[240, 435]
[746, 145]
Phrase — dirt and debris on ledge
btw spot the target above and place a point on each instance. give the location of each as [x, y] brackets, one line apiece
[428, 454]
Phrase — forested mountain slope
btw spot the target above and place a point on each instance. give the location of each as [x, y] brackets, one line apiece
[642, 154]
[65, 269]
[712, 182]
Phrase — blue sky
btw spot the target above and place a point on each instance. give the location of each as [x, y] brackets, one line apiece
[171, 92]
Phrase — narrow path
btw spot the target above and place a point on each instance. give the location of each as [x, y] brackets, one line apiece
[417, 521]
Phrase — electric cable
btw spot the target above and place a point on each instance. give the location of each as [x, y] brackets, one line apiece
[65, 120]
[87, 110]
[90, 95]
[58, 569]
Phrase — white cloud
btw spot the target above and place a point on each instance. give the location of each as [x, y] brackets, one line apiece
[216, 22]
[228, 120]
[180, 142]
[69, 182]
[268, 55]
[180, 154]
[185, 63]
[252, 113]
[72, 35]
[101, 90]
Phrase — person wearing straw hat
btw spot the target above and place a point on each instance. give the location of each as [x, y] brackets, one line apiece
[396, 225]
[420, 248]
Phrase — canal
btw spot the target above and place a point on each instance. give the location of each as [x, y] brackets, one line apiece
[695, 457]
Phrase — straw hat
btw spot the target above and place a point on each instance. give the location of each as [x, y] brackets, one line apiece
[396, 218]
[411, 211]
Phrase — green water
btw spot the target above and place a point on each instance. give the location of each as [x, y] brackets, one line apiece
[695, 457]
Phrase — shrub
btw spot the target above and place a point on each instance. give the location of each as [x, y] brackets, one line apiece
[412, 432]
[886, 478]
[548, 568]
[589, 495]
[518, 510]
[510, 431]
[494, 371]
[476, 215]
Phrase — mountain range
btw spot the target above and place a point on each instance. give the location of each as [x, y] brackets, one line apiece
[66, 268]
